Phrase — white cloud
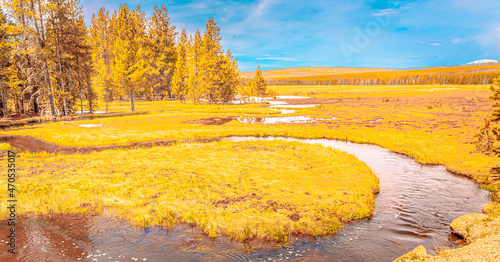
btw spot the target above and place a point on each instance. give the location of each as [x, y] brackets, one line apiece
[199, 5]
[261, 8]
[489, 40]
[430, 43]
[476, 6]
[90, 7]
[385, 12]
[458, 40]
[277, 58]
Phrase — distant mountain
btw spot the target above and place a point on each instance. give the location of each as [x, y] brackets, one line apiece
[311, 71]
[482, 61]
[477, 72]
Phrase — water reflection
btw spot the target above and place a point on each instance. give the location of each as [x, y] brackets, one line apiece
[277, 120]
[415, 206]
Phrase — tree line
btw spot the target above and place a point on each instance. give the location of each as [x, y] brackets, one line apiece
[51, 62]
[45, 56]
[392, 78]
[487, 140]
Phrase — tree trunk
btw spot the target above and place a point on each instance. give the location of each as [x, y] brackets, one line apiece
[1, 107]
[49, 89]
[132, 100]
[81, 101]
[4, 102]
[91, 105]
[17, 107]
[63, 84]
[65, 106]
[35, 106]
[41, 40]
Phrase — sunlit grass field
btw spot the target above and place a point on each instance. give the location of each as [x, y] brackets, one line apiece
[354, 91]
[456, 74]
[246, 190]
[433, 124]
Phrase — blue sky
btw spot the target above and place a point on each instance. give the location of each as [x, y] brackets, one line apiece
[355, 33]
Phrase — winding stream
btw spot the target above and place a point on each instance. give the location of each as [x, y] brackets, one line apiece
[415, 206]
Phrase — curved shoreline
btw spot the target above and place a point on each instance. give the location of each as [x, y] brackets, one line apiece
[71, 150]
[28, 143]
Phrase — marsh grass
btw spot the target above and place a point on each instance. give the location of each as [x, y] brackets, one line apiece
[442, 135]
[261, 189]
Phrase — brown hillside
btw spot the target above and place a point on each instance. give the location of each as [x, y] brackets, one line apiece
[465, 74]
[311, 71]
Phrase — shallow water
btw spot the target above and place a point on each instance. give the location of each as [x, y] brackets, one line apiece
[282, 120]
[277, 120]
[90, 125]
[292, 97]
[292, 106]
[277, 103]
[415, 206]
[286, 111]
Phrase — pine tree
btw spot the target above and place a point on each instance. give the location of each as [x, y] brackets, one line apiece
[209, 66]
[246, 89]
[102, 56]
[162, 45]
[82, 66]
[23, 69]
[259, 86]
[141, 73]
[180, 83]
[66, 35]
[194, 64]
[129, 65]
[31, 18]
[230, 77]
[56, 62]
[495, 117]
[7, 69]
[488, 138]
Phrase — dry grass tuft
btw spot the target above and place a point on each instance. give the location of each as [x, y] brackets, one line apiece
[264, 190]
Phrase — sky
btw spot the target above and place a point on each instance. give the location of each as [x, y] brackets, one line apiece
[349, 33]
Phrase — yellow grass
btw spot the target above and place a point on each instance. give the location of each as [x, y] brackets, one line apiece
[481, 231]
[338, 91]
[455, 74]
[266, 190]
[432, 124]
[325, 73]
[311, 71]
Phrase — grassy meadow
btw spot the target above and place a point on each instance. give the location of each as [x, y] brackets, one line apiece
[433, 124]
[480, 231]
[246, 190]
[154, 151]
[256, 190]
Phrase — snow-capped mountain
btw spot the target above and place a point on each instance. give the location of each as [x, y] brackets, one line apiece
[482, 61]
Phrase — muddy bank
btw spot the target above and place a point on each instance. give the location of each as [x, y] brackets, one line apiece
[212, 120]
[31, 144]
[415, 206]
[40, 120]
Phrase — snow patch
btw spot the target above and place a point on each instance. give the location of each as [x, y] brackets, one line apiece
[90, 125]
[482, 61]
